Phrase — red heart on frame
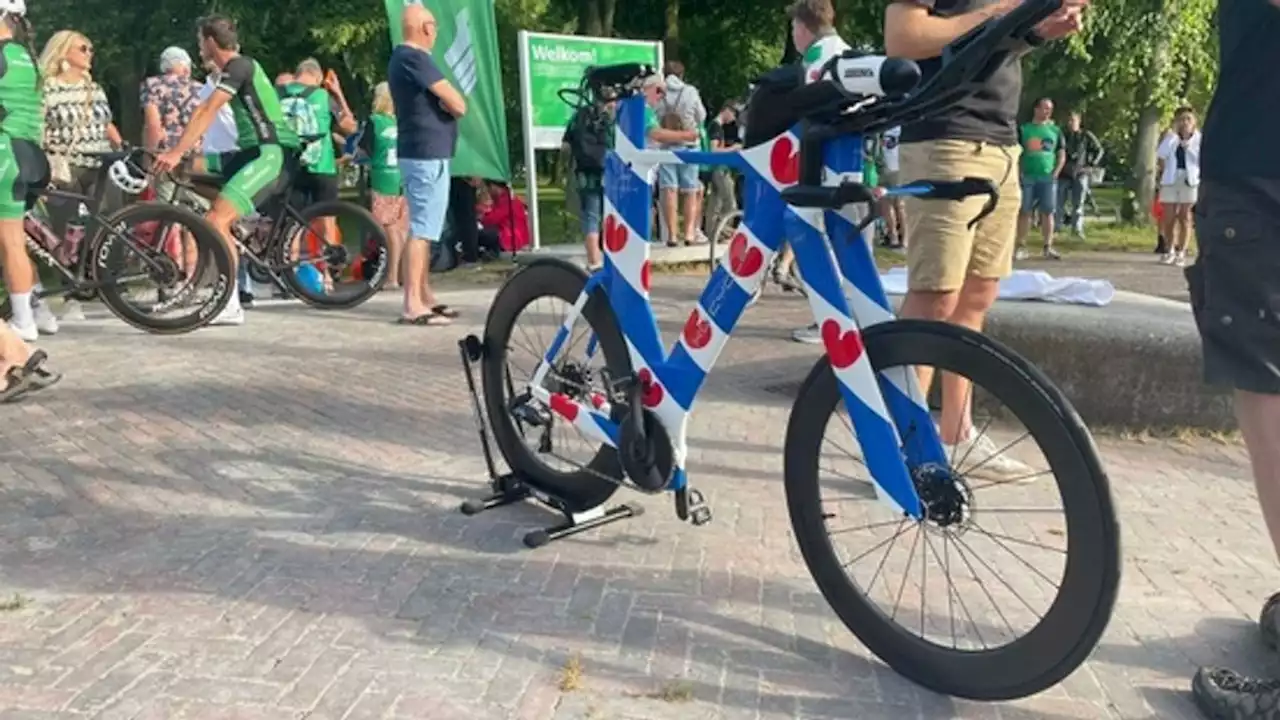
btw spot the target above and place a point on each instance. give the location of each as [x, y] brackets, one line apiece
[564, 406]
[646, 276]
[615, 234]
[744, 260]
[697, 331]
[597, 400]
[784, 162]
[652, 396]
[842, 349]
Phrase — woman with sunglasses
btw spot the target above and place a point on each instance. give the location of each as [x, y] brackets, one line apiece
[78, 126]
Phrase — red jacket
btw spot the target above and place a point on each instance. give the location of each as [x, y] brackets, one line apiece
[508, 217]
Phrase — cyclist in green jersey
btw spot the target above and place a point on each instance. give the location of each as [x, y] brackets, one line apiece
[24, 171]
[268, 148]
[388, 203]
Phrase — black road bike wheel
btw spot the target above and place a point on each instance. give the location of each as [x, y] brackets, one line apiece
[120, 239]
[361, 235]
[1077, 616]
[585, 488]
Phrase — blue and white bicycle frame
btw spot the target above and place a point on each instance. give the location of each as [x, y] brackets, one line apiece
[882, 412]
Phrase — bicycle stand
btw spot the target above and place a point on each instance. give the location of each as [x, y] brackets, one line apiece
[513, 487]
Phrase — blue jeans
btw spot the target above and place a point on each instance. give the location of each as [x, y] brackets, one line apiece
[1073, 190]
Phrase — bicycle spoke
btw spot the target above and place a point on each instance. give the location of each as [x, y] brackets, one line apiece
[991, 570]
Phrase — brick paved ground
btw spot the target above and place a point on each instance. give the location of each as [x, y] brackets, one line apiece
[261, 523]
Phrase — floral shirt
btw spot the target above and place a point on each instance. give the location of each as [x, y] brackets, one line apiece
[175, 98]
[76, 116]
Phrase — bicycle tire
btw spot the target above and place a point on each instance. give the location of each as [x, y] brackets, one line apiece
[580, 490]
[371, 232]
[1075, 621]
[212, 256]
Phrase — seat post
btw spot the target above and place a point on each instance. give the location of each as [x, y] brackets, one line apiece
[811, 141]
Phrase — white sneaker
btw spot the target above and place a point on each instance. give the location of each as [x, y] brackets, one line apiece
[28, 333]
[72, 311]
[808, 335]
[46, 323]
[1166, 259]
[229, 316]
[1180, 260]
[979, 457]
[1021, 254]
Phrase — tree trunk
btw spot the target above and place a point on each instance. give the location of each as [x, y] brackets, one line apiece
[608, 9]
[1142, 154]
[589, 18]
[671, 31]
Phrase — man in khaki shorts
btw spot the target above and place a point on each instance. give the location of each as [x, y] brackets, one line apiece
[954, 272]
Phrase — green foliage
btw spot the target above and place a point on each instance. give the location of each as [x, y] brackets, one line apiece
[1134, 54]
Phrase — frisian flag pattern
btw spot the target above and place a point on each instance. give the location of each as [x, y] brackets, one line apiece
[671, 380]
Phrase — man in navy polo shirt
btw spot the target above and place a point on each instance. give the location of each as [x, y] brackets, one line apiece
[427, 112]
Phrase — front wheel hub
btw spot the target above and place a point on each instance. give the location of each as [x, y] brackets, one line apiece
[945, 498]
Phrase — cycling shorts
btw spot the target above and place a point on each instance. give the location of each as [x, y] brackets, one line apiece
[315, 188]
[24, 172]
[253, 175]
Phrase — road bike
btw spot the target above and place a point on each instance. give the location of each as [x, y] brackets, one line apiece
[286, 244]
[802, 167]
[130, 248]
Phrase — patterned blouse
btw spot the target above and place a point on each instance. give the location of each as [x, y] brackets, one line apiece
[175, 98]
[76, 116]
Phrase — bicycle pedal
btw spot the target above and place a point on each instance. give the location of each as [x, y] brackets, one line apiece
[698, 510]
[700, 516]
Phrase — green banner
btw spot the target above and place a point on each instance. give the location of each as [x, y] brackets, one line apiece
[467, 52]
[552, 62]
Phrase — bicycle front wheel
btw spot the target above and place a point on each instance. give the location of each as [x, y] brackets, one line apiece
[162, 268]
[952, 622]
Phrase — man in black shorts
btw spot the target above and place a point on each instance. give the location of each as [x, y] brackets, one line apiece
[1235, 291]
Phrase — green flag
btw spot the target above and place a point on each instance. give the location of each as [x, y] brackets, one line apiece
[467, 51]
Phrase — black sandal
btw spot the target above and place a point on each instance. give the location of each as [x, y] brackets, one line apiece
[31, 377]
[429, 320]
[445, 311]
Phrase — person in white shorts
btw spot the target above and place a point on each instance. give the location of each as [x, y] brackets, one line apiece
[1178, 167]
[893, 209]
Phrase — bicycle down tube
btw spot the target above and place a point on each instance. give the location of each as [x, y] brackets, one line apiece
[673, 379]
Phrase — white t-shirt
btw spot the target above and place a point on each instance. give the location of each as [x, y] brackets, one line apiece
[1168, 152]
[819, 53]
[221, 135]
[892, 138]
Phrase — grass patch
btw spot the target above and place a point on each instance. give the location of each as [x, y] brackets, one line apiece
[14, 603]
[1108, 237]
[672, 691]
[570, 675]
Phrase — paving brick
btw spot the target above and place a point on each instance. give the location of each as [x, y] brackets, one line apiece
[264, 525]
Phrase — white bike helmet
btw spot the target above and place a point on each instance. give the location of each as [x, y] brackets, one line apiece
[125, 174]
[13, 7]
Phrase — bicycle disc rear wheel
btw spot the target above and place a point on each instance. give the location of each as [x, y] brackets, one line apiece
[969, 526]
[173, 250]
[548, 288]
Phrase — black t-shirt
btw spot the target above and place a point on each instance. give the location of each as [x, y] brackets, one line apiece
[988, 115]
[1240, 140]
[426, 130]
[715, 132]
